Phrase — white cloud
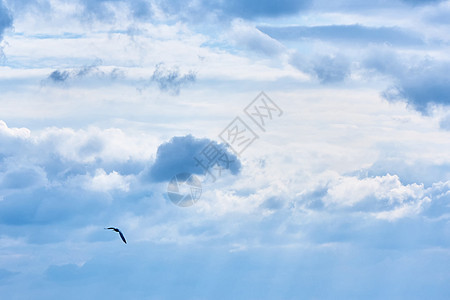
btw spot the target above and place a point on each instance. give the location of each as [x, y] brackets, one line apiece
[102, 181]
[405, 210]
[22, 133]
[348, 191]
[249, 37]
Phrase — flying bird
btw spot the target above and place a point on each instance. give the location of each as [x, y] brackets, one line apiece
[120, 233]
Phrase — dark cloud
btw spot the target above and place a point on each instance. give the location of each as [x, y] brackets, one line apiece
[89, 10]
[331, 69]
[253, 39]
[141, 9]
[445, 122]
[59, 76]
[422, 87]
[346, 33]
[409, 173]
[23, 6]
[370, 7]
[170, 79]
[177, 156]
[6, 19]
[420, 82]
[65, 76]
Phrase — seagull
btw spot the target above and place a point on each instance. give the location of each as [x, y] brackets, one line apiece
[120, 233]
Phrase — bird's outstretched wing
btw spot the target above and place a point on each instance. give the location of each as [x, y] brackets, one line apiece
[122, 237]
[113, 228]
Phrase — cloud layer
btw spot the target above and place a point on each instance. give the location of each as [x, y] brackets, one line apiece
[345, 196]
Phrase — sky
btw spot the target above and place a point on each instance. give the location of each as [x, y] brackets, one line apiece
[343, 192]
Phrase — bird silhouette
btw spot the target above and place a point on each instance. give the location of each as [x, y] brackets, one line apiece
[120, 233]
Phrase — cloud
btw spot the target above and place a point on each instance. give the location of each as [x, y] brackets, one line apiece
[410, 172]
[423, 86]
[178, 156]
[102, 181]
[326, 68]
[20, 133]
[51, 177]
[92, 70]
[438, 14]
[331, 69]
[194, 11]
[6, 21]
[419, 81]
[59, 76]
[170, 79]
[445, 122]
[345, 33]
[382, 197]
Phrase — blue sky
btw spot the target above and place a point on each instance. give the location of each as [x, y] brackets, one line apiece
[345, 195]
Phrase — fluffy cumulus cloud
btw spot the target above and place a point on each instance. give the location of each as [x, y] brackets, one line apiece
[40, 173]
[383, 197]
[419, 81]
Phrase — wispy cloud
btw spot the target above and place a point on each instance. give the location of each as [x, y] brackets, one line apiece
[6, 19]
[346, 33]
[171, 80]
[66, 76]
